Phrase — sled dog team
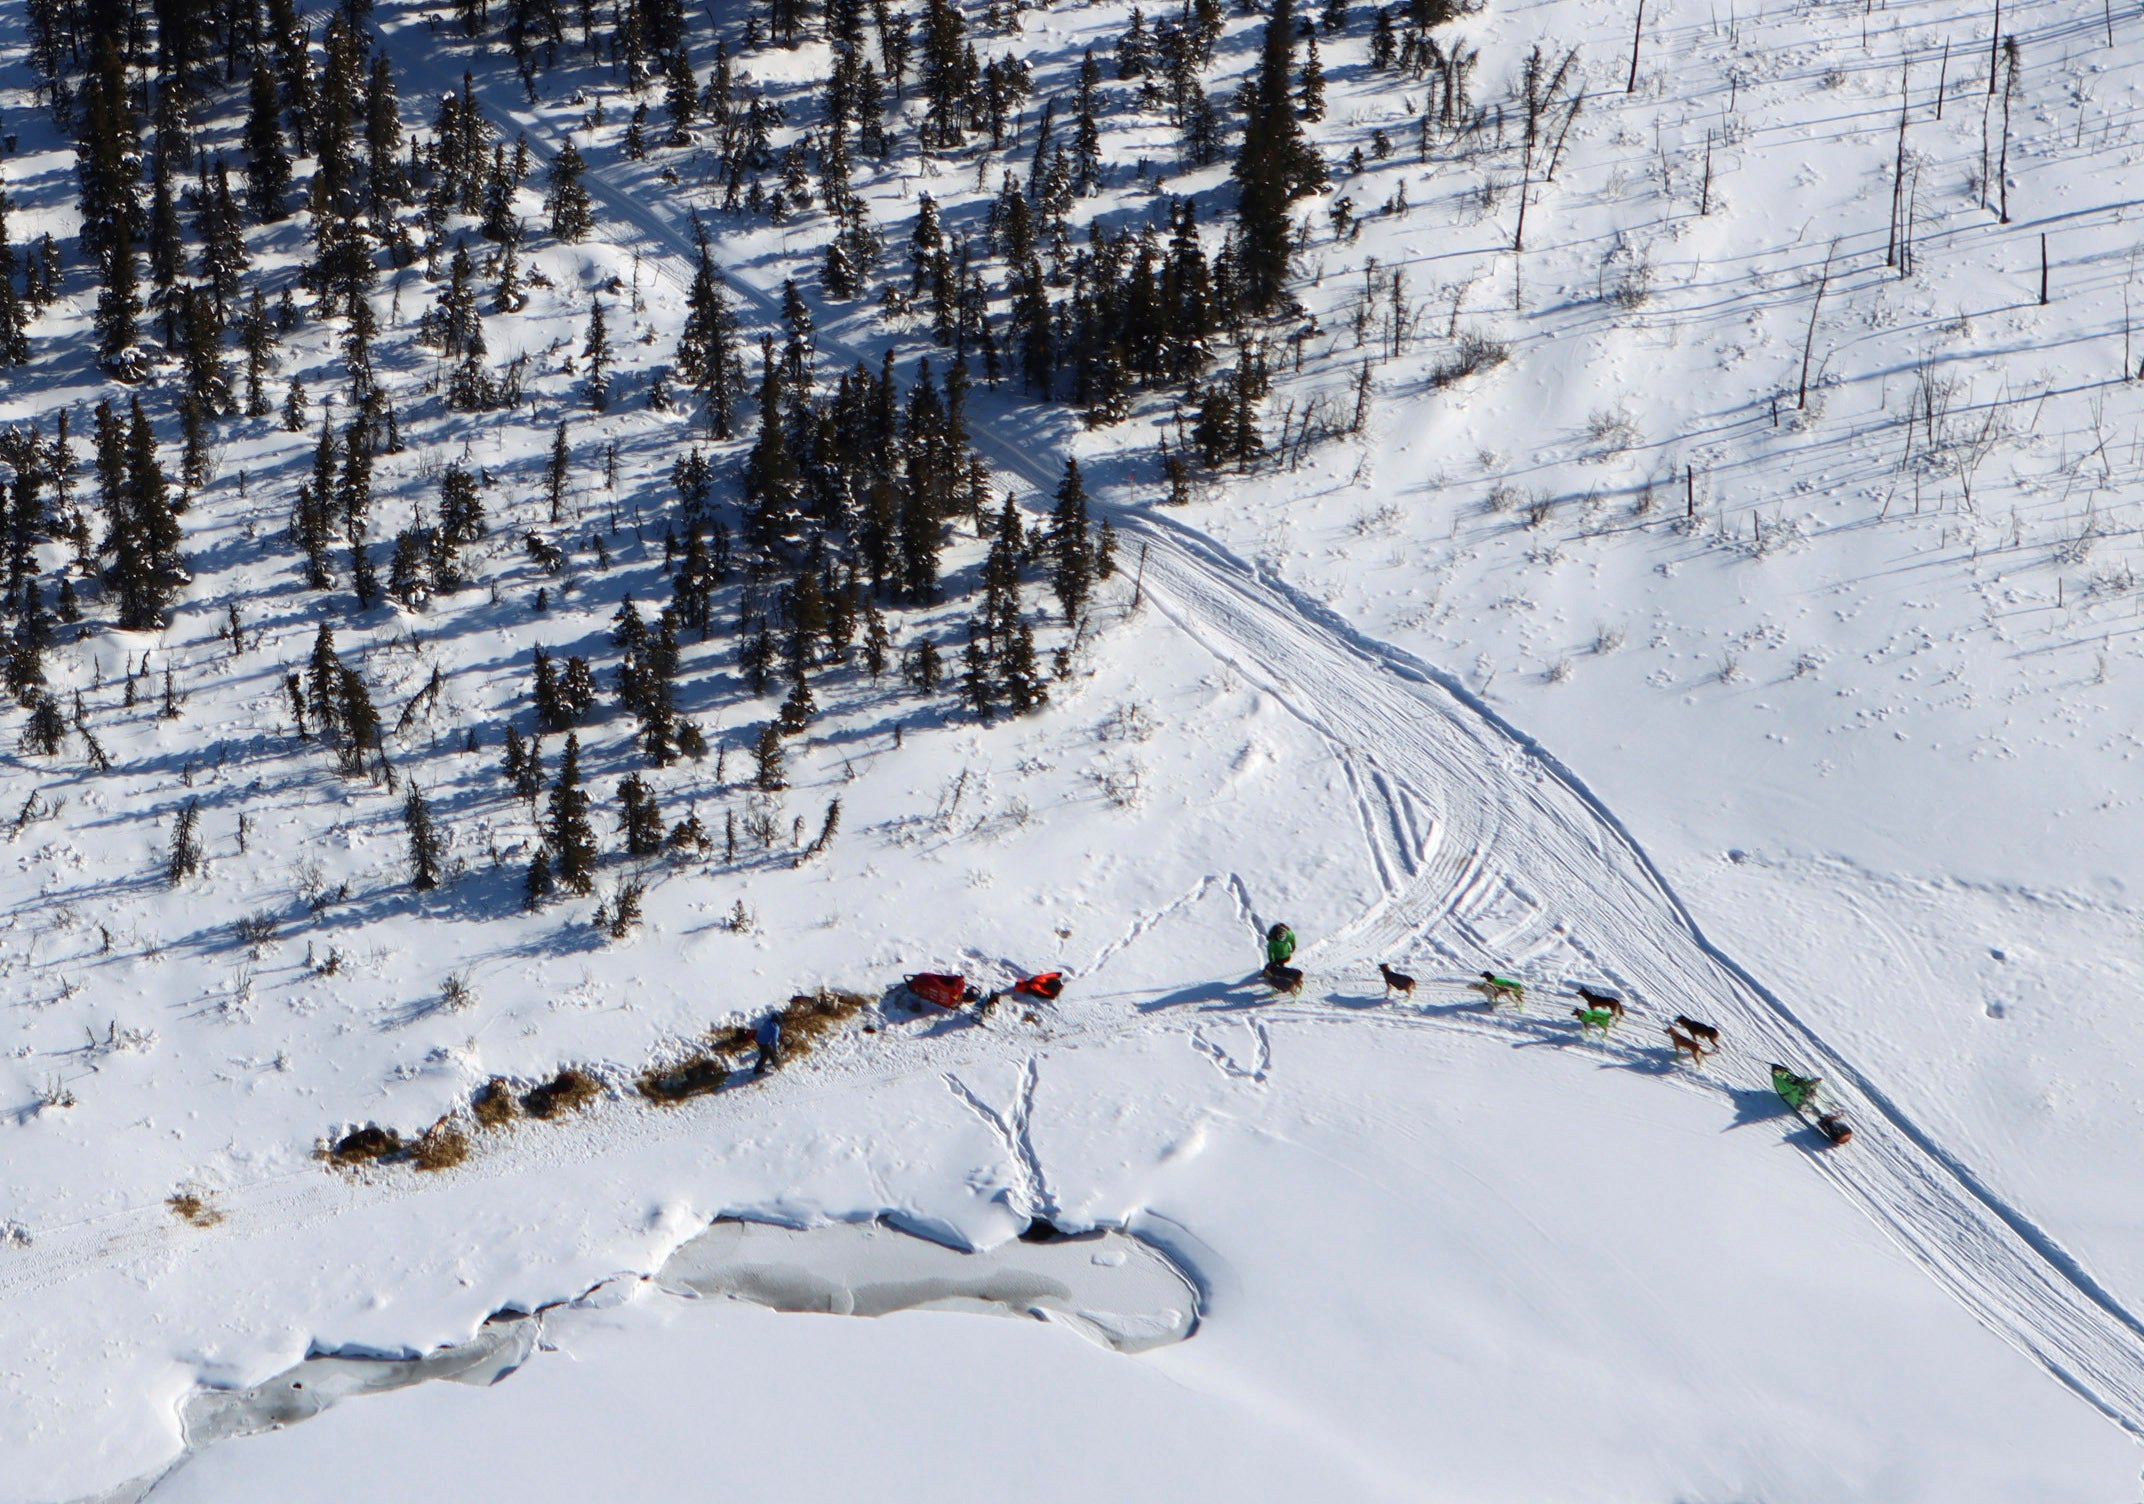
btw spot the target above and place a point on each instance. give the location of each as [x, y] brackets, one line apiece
[1597, 1013]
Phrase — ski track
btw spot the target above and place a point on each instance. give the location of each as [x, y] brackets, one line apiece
[1503, 817]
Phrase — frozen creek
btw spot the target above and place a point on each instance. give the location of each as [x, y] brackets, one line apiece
[1109, 1286]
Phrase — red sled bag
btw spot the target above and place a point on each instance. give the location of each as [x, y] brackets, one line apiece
[1047, 986]
[942, 989]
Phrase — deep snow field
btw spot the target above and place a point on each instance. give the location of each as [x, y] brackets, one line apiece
[1631, 661]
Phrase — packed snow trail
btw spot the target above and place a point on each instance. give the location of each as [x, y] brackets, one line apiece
[1520, 863]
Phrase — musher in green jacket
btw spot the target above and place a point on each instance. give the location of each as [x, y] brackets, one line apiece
[1798, 1092]
[1280, 945]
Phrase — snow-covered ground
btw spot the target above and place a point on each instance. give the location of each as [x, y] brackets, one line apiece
[1618, 663]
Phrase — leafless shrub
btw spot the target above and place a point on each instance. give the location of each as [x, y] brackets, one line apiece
[2109, 584]
[2071, 552]
[1607, 640]
[1627, 284]
[455, 994]
[1473, 354]
[1502, 498]
[194, 1209]
[1380, 521]
[1130, 722]
[255, 930]
[1120, 784]
[763, 823]
[1612, 430]
[1770, 536]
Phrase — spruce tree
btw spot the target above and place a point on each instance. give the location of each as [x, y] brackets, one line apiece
[876, 639]
[1274, 166]
[461, 510]
[768, 776]
[515, 758]
[361, 724]
[14, 340]
[568, 833]
[794, 718]
[324, 680]
[1310, 84]
[266, 159]
[184, 859]
[639, 817]
[224, 257]
[771, 476]
[46, 730]
[540, 884]
[1019, 676]
[1071, 550]
[551, 713]
[167, 243]
[508, 297]
[707, 349]
[572, 211]
[455, 325]
[577, 689]
[596, 351]
[426, 850]
[557, 471]
[25, 666]
[924, 666]
[978, 683]
[143, 531]
[257, 335]
[118, 315]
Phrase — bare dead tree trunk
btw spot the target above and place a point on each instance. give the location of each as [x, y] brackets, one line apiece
[1898, 168]
[2002, 170]
[1801, 396]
